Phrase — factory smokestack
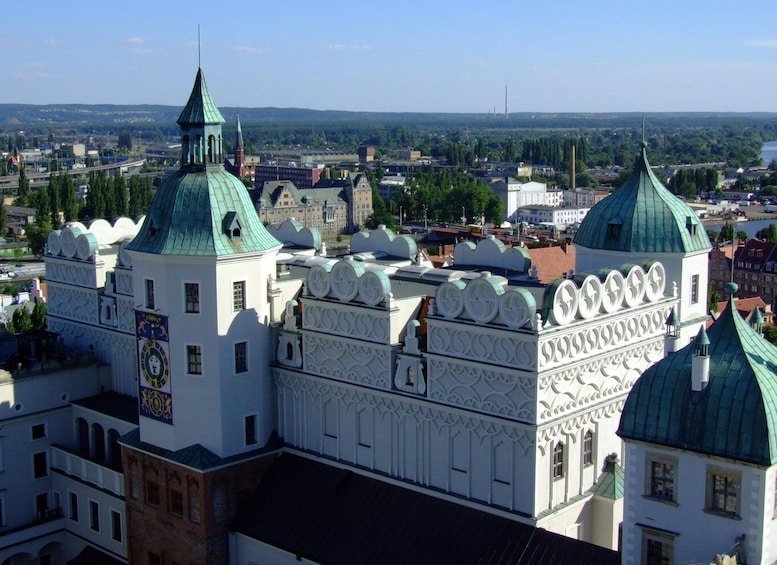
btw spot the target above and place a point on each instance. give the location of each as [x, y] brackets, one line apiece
[572, 174]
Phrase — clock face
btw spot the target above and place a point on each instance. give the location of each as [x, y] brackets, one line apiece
[154, 365]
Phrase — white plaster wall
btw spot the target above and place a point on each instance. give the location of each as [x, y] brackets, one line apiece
[701, 535]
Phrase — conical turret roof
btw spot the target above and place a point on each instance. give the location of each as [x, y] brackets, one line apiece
[642, 216]
[200, 109]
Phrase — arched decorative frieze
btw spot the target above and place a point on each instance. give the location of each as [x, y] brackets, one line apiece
[613, 289]
[558, 349]
[73, 303]
[351, 361]
[562, 302]
[70, 272]
[479, 344]
[54, 242]
[371, 325]
[86, 246]
[570, 426]
[490, 391]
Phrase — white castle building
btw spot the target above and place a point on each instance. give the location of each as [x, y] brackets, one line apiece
[224, 355]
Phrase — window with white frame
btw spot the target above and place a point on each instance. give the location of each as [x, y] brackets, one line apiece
[662, 478]
[38, 431]
[694, 289]
[238, 295]
[73, 503]
[723, 491]
[40, 466]
[94, 515]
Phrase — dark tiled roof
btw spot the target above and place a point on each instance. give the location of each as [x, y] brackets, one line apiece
[196, 456]
[93, 556]
[331, 515]
[642, 216]
[121, 406]
[734, 416]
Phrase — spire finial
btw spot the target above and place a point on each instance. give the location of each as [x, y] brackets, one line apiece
[199, 56]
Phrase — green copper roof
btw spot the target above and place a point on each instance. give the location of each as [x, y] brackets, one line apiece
[734, 416]
[610, 482]
[200, 109]
[642, 216]
[196, 212]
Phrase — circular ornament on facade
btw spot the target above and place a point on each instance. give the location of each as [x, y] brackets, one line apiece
[450, 299]
[54, 243]
[655, 284]
[344, 281]
[517, 307]
[86, 245]
[69, 236]
[373, 287]
[154, 365]
[481, 300]
[635, 287]
[612, 291]
[565, 301]
[590, 300]
[318, 281]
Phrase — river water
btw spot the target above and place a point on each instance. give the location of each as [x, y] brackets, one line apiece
[769, 152]
[751, 227]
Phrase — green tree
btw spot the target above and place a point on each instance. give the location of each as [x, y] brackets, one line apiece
[727, 232]
[22, 321]
[3, 218]
[742, 235]
[38, 318]
[24, 182]
[37, 233]
[713, 297]
[768, 233]
[770, 333]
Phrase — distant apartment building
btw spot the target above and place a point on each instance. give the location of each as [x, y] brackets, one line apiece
[302, 177]
[552, 216]
[516, 195]
[584, 197]
[390, 185]
[755, 270]
[366, 153]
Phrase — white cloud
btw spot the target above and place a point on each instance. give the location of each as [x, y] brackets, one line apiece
[52, 42]
[769, 43]
[135, 40]
[248, 50]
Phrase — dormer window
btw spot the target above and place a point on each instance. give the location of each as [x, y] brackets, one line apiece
[613, 230]
[690, 225]
[233, 226]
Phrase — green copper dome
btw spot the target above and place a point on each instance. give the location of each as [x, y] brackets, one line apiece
[642, 216]
[202, 209]
[733, 416]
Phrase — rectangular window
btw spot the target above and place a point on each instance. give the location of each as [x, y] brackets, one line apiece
[176, 502]
[73, 500]
[723, 488]
[39, 431]
[94, 515]
[192, 292]
[694, 289]
[250, 428]
[241, 357]
[663, 476]
[238, 295]
[150, 300]
[152, 492]
[194, 359]
[558, 461]
[40, 465]
[116, 534]
[42, 504]
[657, 549]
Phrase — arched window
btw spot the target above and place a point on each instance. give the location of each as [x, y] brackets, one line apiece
[98, 442]
[185, 150]
[558, 461]
[211, 148]
[83, 436]
[289, 352]
[588, 448]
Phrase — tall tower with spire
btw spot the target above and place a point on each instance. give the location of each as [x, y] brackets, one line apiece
[239, 149]
[201, 264]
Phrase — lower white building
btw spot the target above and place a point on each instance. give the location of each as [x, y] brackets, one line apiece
[552, 215]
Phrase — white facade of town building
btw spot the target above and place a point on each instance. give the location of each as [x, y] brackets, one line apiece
[552, 216]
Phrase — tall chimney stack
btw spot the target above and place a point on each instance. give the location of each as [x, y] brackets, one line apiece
[572, 183]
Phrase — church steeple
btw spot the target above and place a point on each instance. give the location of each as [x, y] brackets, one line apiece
[239, 150]
[200, 121]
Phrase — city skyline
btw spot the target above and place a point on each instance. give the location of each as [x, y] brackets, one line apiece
[403, 57]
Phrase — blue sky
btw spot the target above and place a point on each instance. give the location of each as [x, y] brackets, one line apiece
[398, 55]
